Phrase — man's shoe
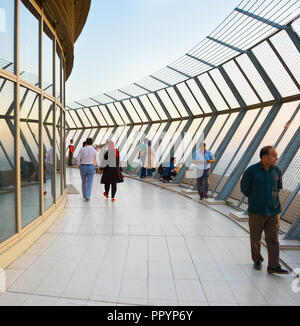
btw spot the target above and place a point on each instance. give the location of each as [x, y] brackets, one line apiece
[277, 270]
[257, 265]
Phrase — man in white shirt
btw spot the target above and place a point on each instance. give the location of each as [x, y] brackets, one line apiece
[86, 160]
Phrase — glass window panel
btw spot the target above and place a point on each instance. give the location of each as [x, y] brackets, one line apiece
[47, 61]
[153, 130]
[226, 91]
[138, 108]
[132, 111]
[195, 89]
[7, 13]
[58, 152]
[290, 178]
[241, 83]
[69, 120]
[176, 135]
[122, 112]
[169, 105]
[213, 132]
[215, 129]
[99, 116]
[224, 131]
[48, 134]
[108, 135]
[284, 115]
[118, 135]
[90, 117]
[149, 108]
[132, 143]
[75, 118]
[190, 138]
[58, 73]
[6, 104]
[157, 136]
[275, 70]
[83, 118]
[294, 124]
[122, 133]
[63, 100]
[166, 142]
[254, 77]
[83, 138]
[29, 44]
[29, 104]
[188, 97]
[288, 52]
[235, 142]
[177, 101]
[106, 115]
[98, 140]
[213, 92]
[115, 114]
[7, 169]
[159, 109]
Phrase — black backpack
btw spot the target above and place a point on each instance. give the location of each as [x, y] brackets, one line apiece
[160, 169]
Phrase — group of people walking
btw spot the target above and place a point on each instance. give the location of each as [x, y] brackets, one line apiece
[90, 162]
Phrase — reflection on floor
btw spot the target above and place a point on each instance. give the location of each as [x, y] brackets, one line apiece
[150, 247]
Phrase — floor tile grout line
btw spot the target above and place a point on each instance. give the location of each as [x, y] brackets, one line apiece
[195, 269]
[174, 282]
[124, 268]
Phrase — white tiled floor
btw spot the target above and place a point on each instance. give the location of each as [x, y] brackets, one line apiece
[150, 247]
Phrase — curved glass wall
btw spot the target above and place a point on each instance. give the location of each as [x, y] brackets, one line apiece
[239, 89]
[32, 147]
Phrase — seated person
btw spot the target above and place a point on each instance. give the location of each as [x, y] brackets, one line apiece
[2, 181]
[170, 172]
[27, 170]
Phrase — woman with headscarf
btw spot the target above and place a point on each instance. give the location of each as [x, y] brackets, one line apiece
[150, 161]
[112, 172]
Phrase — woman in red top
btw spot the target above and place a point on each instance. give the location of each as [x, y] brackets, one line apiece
[112, 172]
[71, 152]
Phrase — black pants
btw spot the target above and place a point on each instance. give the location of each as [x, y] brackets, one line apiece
[113, 189]
[203, 184]
[70, 159]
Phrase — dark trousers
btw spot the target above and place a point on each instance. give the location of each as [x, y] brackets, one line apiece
[270, 225]
[113, 189]
[145, 172]
[70, 159]
[203, 184]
